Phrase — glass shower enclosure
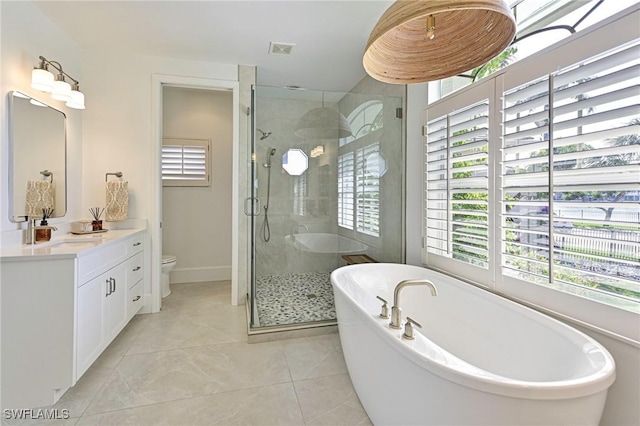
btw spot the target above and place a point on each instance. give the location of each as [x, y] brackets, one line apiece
[326, 189]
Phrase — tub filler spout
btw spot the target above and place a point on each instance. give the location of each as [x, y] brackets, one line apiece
[396, 312]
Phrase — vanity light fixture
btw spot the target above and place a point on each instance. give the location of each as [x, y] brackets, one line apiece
[317, 151]
[425, 40]
[42, 79]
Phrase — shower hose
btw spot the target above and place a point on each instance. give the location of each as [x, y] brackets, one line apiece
[266, 230]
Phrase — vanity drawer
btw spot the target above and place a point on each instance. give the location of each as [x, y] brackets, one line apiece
[93, 264]
[134, 300]
[135, 244]
[135, 269]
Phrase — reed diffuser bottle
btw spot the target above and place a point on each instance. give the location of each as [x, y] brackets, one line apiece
[96, 212]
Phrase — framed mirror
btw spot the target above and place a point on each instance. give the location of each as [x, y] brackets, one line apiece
[37, 158]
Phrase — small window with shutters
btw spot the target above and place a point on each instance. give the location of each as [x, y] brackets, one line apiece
[186, 162]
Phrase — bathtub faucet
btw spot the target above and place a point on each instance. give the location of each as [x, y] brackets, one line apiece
[396, 312]
[296, 229]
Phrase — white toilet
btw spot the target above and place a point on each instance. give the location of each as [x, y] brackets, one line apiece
[168, 262]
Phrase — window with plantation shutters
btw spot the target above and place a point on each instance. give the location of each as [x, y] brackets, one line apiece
[562, 169]
[346, 175]
[185, 162]
[300, 192]
[360, 167]
[457, 185]
[368, 172]
[571, 179]
[359, 173]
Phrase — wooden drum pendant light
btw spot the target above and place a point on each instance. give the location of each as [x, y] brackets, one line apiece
[424, 40]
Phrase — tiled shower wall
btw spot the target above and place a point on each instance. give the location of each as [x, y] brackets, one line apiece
[290, 213]
[278, 111]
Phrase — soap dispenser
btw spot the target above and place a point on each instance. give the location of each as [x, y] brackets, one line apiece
[43, 234]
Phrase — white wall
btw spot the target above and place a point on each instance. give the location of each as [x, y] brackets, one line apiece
[416, 103]
[196, 221]
[118, 131]
[27, 34]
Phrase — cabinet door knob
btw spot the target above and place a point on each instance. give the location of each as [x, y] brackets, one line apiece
[108, 282]
[136, 299]
[137, 244]
[137, 268]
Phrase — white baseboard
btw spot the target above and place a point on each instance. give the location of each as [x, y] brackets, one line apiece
[196, 275]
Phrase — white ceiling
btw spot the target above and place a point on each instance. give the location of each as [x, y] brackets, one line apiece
[330, 35]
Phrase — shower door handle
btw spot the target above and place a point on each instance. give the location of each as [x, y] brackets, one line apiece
[247, 202]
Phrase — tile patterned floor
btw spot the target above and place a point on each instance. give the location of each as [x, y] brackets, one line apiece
[191, 364]
[294, 298]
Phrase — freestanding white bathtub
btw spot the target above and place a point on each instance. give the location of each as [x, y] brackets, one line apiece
[478, 358]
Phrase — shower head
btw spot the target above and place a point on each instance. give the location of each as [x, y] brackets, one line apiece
[264, 134]
[270, 154]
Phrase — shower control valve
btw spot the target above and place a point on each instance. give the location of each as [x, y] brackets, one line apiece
[384, 312]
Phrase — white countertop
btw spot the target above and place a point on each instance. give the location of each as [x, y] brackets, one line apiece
[65, 245]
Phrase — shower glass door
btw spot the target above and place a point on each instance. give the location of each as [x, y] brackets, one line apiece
[326, 183]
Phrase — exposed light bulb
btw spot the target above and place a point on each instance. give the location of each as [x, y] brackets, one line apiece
[431, 27]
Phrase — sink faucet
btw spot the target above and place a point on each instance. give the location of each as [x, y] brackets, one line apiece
[31, 231]
[396, 312]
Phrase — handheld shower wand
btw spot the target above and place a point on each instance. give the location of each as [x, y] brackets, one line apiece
[266, 230]
[270, 154]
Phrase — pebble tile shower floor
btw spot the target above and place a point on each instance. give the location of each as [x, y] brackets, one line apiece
[191, 364]
[294, 298]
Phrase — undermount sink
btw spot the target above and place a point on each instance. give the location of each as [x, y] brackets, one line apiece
[75, 243]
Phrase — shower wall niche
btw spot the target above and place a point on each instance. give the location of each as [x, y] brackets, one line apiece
[319, 195]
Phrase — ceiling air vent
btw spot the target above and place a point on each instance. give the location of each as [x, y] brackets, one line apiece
[276, 48]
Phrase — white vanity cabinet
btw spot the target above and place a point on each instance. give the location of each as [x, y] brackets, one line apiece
[61, 309]
[103, 297]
